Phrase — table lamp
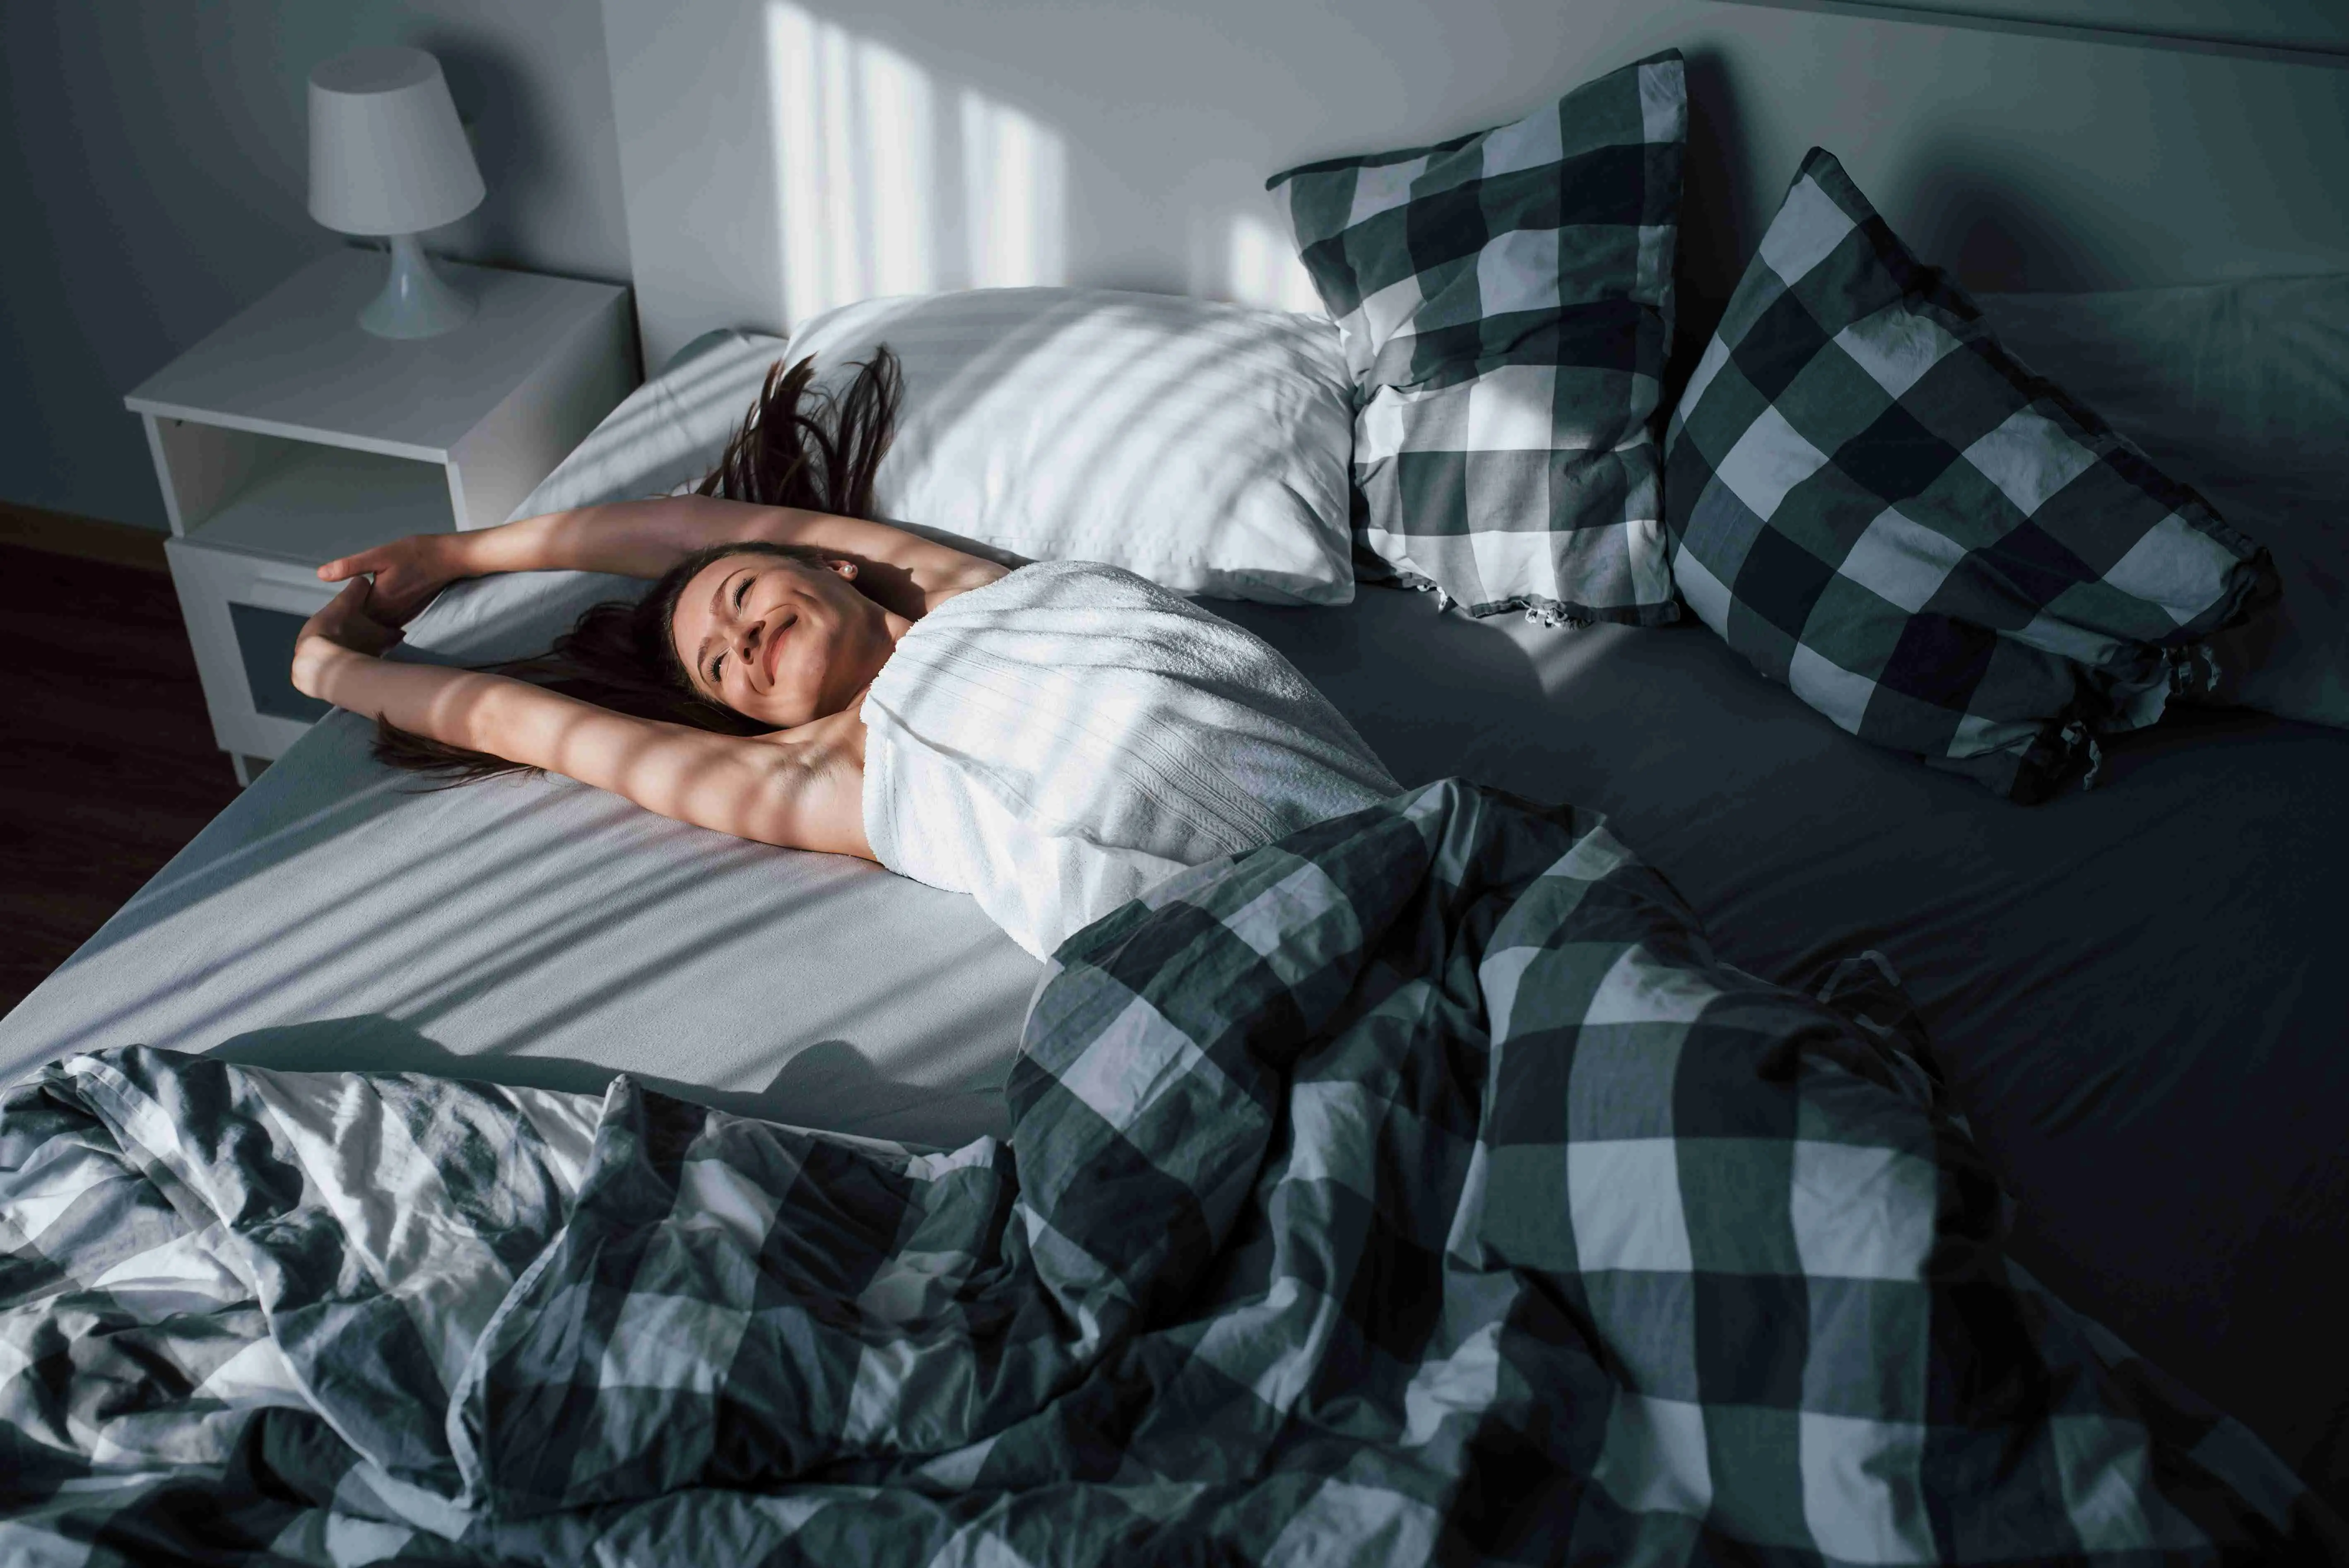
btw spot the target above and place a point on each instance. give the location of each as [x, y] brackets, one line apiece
[388, 156]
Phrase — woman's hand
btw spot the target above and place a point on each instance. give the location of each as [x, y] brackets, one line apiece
[408, 572]
[344, 627]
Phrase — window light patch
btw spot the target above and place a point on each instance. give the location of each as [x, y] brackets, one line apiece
[1262, 268]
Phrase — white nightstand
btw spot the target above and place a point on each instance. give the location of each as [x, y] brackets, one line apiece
[290, 436]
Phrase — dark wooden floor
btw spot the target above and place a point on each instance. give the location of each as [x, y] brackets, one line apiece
[106, 760]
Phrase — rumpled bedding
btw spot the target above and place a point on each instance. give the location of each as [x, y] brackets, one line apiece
[1417, 1188]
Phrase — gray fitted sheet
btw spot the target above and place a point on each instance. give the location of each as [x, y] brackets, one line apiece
[2131, 988]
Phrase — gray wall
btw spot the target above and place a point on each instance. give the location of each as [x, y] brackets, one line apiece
[156, 154]
[155, 178]
[2020, 161]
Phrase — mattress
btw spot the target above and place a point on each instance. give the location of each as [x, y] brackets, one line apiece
[2128, 987]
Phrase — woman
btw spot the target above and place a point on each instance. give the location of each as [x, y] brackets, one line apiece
[1050, 738]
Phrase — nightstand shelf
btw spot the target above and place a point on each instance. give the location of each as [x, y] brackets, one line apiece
[318, 503]
[290, 436]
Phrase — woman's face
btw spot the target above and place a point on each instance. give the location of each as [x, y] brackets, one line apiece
[777, 640]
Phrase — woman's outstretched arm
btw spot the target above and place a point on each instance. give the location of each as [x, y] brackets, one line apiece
[646, 538]
[802, 790]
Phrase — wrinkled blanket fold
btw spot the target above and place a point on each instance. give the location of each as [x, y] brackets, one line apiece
[1418, 1188]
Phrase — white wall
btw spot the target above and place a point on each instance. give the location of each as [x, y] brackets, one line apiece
[2020, 161]
[153, 174]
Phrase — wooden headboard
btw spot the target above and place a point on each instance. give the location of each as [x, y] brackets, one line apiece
[779, 157]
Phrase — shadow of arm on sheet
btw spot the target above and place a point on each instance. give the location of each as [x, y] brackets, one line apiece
[829, 1085]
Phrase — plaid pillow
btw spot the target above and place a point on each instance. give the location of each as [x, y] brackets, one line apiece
[1879, 506]
[1505, 303]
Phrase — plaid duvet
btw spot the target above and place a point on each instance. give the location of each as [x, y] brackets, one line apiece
[1506, 304]
[1880, 507]
[1419, 1189]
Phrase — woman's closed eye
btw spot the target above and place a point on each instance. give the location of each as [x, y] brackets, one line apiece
[741, 592]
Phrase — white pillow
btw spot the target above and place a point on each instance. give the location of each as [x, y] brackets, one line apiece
[1202, 445]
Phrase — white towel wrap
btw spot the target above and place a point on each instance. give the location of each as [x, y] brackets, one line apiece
[1055, 742]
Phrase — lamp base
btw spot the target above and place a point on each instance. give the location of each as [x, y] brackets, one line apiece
[416, 302]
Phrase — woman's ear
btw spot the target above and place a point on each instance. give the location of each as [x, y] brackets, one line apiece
[843, 566]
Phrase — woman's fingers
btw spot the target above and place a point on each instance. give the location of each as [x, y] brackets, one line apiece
[406, 574]
[327, 616]
[351, 601]
[393, 609]
[378, 558]
[343, 622]
[345, 619]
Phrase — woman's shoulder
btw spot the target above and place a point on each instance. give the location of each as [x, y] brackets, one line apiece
[968, 579]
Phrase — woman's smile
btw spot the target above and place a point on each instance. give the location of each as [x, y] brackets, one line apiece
[773, 653]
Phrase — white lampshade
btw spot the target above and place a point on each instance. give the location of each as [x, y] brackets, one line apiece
[386, 154]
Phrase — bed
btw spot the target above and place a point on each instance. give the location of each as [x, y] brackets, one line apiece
[2129, 987]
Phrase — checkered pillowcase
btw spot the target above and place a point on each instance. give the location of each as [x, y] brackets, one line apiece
[1879, 506]
[1506, 302]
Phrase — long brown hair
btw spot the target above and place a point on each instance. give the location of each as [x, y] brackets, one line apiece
[799, 446]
